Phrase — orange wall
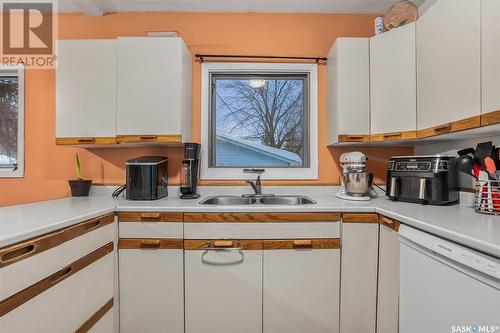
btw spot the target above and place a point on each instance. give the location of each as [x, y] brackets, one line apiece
[49, 166]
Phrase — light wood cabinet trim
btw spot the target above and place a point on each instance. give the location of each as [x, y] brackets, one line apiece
[490, 118]
[39, 287]
[261, 217]
[16, 252]
[354, 138]
[290, 244]
[150, 243]
[454, 126]
[388, 222]
[85, 141]
[393, 136]
[360, 218]
[87, 325]
[149, 217]
[200, 244]
[172, 138]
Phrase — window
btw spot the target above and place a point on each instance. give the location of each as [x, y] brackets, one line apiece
[259, 116]
[11, 121]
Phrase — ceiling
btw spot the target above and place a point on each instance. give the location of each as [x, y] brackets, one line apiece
[98, 7]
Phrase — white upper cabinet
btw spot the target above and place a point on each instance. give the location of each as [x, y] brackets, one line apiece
[154, 87]
[393, 82]
[448, 63]
[86, 89]
[348, 90]
[490, 56]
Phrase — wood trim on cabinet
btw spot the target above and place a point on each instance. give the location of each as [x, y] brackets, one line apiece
[86, 141]
[244, 244]
[360, 218]
[354, 138]
[261, 217]
[490, 118]
[21, 297]
[16, 252]
[87, 325]
[289, 244]
[393, 136]
[151, 243]
[454, 126]
[388, 222]
[149, 217]
[172, 138]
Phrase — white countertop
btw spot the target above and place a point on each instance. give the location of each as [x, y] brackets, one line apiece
[457, 223]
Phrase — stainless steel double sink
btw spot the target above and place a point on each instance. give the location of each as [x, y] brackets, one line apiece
[234, 200]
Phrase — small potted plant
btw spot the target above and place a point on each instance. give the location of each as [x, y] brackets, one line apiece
[79, 187]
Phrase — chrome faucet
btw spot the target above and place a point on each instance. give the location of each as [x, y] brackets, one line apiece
[256, 185]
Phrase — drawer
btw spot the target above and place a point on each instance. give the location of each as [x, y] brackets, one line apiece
[23, 273]
[150, 225]
[251, 230]
[67, 303]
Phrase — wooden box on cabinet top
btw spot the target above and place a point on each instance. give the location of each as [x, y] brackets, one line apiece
[153, 89]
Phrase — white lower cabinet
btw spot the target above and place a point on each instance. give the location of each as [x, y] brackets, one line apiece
[151, 290]
[388, 281]
[301, 290]
[223, 291]
[358, 294]
[66, 305]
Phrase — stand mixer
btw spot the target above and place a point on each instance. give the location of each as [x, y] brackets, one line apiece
[356, 182]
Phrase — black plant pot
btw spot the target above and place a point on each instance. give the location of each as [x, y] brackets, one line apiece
[80, 187]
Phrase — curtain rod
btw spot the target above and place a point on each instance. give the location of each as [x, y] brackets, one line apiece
[202, 56]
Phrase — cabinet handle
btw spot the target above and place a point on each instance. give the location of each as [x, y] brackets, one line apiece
[60, 275]
[150, 217]
[86, 140]
[92, 225]
[222, 243]
[147, 138]
[17, 253]
[302, 243]
[150, 243]
[355, 138]
[443, 129]
[392, 136]
[388, 222]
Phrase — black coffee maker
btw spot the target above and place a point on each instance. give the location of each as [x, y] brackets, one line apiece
[189, 172]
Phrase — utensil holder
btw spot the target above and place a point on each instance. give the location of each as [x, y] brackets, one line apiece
[487, 197]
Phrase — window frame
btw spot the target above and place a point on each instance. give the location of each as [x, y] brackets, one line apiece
[233, 173]
[16, 70]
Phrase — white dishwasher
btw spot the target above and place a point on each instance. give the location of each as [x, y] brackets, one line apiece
[446, 287]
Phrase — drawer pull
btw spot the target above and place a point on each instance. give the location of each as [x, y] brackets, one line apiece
[443, 129]
[302, 243]
[355, 138]
[150, 243]
[17, 253]
[223, 243]
[388, 222]
[147, 138]
[86, 140]
[92, 225]
[392, 136]
[60, 275]
[150, 217]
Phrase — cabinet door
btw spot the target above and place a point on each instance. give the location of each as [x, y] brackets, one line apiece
[86, 88]
[358, 293]
[151, 290]
[393, 84]
[149, 95]
[301, 290]
[388, 281]
[348, 78]
[448, 63]
[223, 291]
[490, 56]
